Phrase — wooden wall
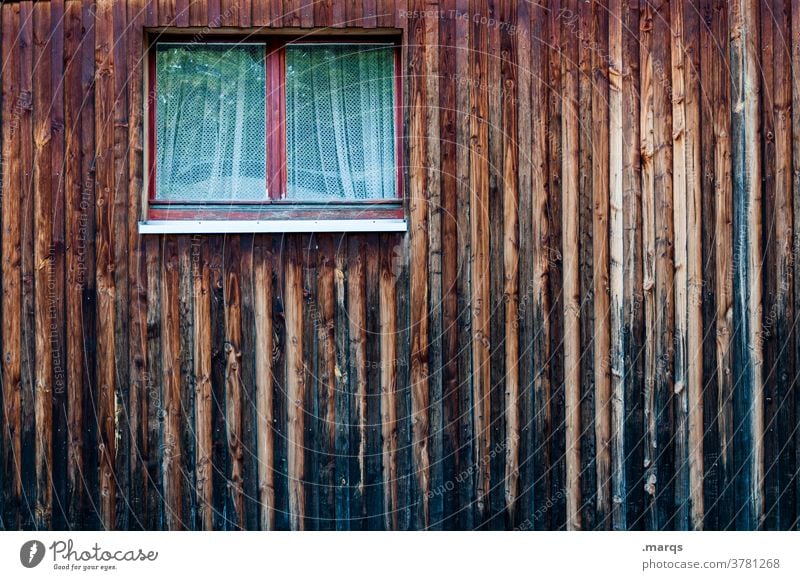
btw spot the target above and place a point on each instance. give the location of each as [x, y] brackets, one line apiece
[590, 324]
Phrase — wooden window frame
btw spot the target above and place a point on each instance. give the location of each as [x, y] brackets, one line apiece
[267, 215]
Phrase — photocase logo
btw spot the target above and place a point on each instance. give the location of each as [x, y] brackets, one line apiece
[32, 553]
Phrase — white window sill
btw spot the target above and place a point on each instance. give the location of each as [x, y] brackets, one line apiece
[270, 226]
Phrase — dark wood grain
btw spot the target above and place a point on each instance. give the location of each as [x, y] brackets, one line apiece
[748, 399]
[27, 221]
[57, 291]
[326, 377]
[75, 272]
[584, 23]
[171, 443]
[633, 311]
[265, 454]
[44, 275]
[419, 269]
[479, 260]
[588, 324]
[137, 272]
[13, 99]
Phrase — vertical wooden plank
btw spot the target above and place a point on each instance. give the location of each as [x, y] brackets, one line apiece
[187, 387]
[385, 13]
[664, 268]
[326, 368]
[245, 13]
[3, 420]
[75, 261]
[87, 232]
[152, 403]
[400, 14]
[648, 257]
[479, 256]
[633, 300]
[433, 196]
[596, 384]
[405, 499]
[56, 292]
[170, 445]
[228, 13]
[262, 281]
[104, 215]
[679, 177]
[341, 387]
[357, 373]
[542, 250]
[724, 249]
[248, 383]
[44, 271]
[120, 259]
[419, 267]
[220, 488]
[307, 13]
[600, 261]
[554, 421]
[295, 383]
[524, 319]
[181, 13]
[137, 273]
[201, 321]
[151, 12]
[13, 103]
[706, 293]
[323, 12]
[795, 62]
[768, 337]
[212, 13]
[338, 17]
[784, 265]
[388, 379]
[373, 484]
[795, 57]
[694, 265]
[572, 290]
[260, 13]
[354, 12]
[583, 22]
[495, 273]
[308, 258]
[290, 13]
[166, 12]
[28, 360]
[748, 403]
[279, 392]
[232, 352]
[370, 9]
[198, 12]
[448, 183]
[618, 488]
[463, 170]
[510, 189]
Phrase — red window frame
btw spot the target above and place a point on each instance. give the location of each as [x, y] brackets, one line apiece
[275, 205]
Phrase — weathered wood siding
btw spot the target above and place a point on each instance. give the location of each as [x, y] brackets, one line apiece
[589, 325]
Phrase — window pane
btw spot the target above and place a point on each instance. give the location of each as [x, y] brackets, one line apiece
[210, 118]
[340, 129]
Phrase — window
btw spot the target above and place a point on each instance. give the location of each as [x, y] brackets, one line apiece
[272, 131]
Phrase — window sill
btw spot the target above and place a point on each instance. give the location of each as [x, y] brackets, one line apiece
[295, 226]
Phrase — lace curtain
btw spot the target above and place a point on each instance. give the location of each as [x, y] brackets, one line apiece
[340, 122]
[211, 122]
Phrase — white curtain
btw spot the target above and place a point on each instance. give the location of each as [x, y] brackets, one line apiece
[340, 122]
[211, 122]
